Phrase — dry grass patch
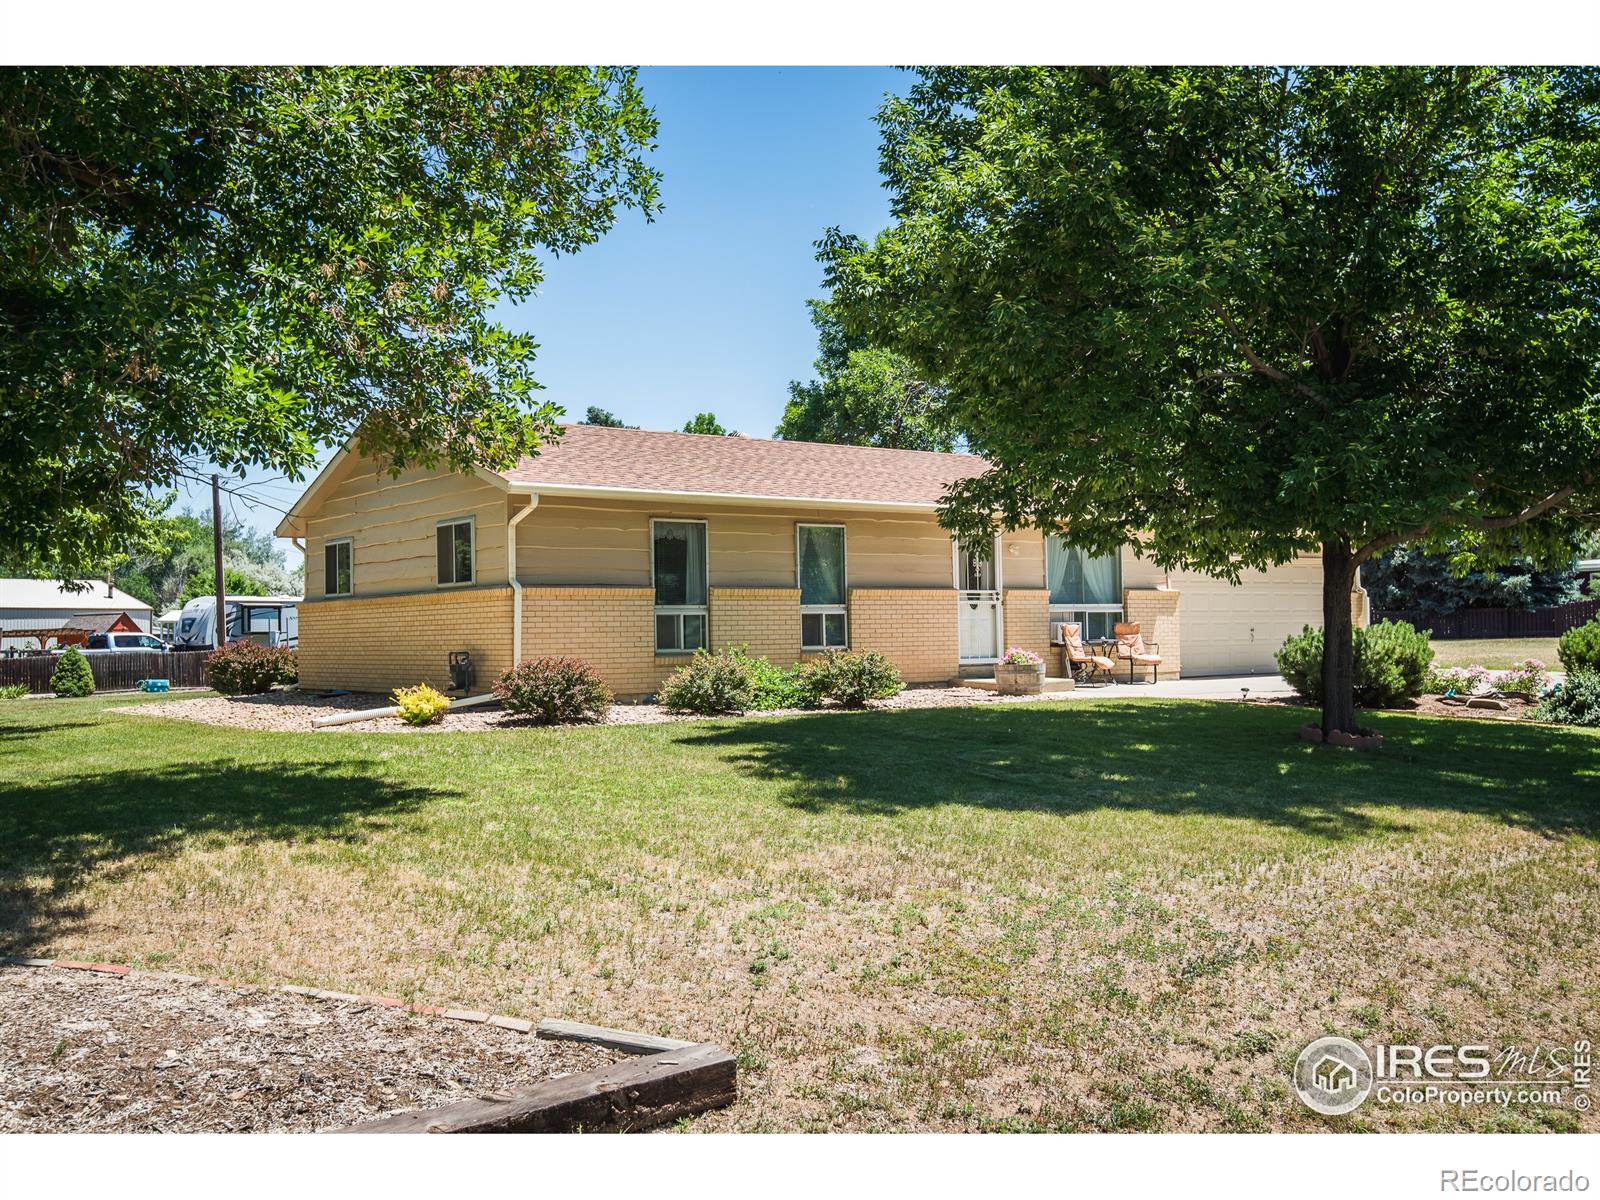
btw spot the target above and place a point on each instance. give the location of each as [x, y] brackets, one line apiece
[1112, 914]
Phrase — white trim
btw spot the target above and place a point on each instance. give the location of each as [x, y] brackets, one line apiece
[470, 520]
[825, 610]
[601, 493]
[679, 610]
[338, 541]
[511, 574]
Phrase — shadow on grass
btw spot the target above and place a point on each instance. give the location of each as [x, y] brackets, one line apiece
[1188, 757]
[54, 834]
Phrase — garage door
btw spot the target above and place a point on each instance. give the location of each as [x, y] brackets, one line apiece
[1237, 630]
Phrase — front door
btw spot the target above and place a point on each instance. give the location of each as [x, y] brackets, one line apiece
[977, 605]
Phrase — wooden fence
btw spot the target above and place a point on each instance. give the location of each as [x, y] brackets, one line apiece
[1498, 622]
[119, 670]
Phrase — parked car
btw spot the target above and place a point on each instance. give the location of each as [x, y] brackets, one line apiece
[270, 620]
[106, 643]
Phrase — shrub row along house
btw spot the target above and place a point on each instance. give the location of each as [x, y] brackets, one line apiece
[630, 549]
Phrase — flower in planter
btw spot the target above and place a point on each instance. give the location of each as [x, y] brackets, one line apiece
[1018, 657]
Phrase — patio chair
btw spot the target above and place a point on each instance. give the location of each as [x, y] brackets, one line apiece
[1132, 647]
[1080, 661]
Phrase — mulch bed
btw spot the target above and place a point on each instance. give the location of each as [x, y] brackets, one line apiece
[83, 1052]
[294, 711]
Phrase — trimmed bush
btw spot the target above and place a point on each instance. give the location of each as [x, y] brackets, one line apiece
[1391, 663]
[72, 676]
[1579, 648]
[247, 668]
[554, 691]
[1577, 702]
[709, 683]
[851, 677]
[421, 705]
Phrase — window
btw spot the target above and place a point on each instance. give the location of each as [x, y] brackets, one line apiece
[1084, 587]
[455, 552]
[336, 573]
[820, 566]
[678, 569]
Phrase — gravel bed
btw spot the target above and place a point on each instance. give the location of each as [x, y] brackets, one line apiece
[294, 711]
[82, 1052]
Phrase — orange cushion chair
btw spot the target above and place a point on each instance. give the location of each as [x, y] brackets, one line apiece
[1132, 647]
[1078, 658]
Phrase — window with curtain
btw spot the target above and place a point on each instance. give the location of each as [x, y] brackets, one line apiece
[455, 552]
[819, 559]
[1084, 587]
[678, 564]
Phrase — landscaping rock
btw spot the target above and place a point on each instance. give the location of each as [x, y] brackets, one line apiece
[1488, 702]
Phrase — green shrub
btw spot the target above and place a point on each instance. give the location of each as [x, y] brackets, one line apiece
[1579, 648]
[421, 705]
[72, 676]
[772, 686]
[13, 691]
[851, 677]
[1391, 663]
[709, 683]
[554, 690]
[246, 668]
[1576, 703]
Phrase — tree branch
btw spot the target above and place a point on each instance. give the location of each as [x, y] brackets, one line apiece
[1509, 521]
[1257, 363]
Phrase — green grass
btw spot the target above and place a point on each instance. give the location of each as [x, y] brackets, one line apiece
[1498, 654]
[1102, 914]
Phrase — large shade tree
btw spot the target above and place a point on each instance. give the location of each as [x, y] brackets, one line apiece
[242, 266]
[1248, 314]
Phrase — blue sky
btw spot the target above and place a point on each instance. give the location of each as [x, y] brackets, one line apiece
[704, 309]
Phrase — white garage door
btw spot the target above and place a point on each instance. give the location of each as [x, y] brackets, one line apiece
[1237, 630]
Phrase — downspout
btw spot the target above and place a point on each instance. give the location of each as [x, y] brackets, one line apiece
[511, 574]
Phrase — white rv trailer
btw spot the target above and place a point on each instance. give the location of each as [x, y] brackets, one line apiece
[270, 620]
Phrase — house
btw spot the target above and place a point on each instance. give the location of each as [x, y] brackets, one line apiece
[631, 548]
[32, 611]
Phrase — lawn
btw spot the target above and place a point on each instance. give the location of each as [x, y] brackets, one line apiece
[1497, 654]
[1102, 914]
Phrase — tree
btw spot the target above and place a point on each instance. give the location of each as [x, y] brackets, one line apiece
[595, 415]
[174, 564]
[1408, 577]
[243, 265]
[1245, 314]
[707, 423]
[862, 397]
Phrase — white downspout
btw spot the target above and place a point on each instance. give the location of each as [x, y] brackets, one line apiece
[511, 574]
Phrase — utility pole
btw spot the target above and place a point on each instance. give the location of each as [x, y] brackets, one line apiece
[219, 637]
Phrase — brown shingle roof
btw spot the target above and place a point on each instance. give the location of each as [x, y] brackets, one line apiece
[596, 456]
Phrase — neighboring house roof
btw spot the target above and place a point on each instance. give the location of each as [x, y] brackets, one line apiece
[49, 594]
[102, 622]
[599, 460]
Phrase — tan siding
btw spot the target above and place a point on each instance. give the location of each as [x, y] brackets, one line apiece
[569, 542]
[392, 525]
[1140, 572]
[1023, 559]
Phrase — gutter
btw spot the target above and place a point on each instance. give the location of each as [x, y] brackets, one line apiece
[511, 571]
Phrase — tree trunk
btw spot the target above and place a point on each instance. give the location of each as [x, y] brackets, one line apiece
[1338, 638]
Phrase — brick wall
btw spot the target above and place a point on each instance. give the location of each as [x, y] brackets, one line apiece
[1156, 611]
[378, 643]
[767, 620]
[610, 628]
[914, 627]
[1027, 622]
